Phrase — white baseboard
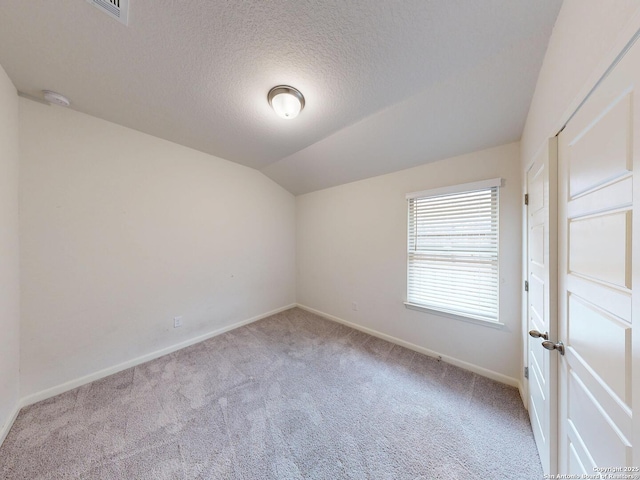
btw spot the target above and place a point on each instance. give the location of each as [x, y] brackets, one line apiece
[523, 395]
[499, 377]
[4, 431]
[78, 382]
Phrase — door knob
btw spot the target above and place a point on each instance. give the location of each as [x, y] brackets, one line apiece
[554, 346]
[537, 334]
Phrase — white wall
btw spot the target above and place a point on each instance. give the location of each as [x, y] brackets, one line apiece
[586, 38]
[9, 267]
[352, 248]
[122, 231]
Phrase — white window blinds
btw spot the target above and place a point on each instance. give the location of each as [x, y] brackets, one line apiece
[453, 250]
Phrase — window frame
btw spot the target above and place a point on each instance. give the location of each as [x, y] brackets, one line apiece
[453, 189]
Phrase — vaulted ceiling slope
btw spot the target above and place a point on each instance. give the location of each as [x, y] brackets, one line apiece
[389, 84]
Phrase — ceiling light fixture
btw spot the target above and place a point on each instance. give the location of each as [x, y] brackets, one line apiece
[286, 101]
[56, 98]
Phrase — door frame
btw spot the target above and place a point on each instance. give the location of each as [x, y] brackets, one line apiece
[551, 237]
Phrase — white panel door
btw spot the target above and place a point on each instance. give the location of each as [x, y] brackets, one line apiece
[541, 301]
[596, 163]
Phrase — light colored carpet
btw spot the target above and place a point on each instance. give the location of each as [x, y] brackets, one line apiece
[291, 396]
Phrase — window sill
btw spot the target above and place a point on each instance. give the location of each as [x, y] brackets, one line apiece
[477, 321]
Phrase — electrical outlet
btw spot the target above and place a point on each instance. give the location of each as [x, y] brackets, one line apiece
[177, 322]
[354, 306]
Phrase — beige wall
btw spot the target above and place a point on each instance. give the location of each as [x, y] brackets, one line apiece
[122, 231]
[352, 248]
[9, 267]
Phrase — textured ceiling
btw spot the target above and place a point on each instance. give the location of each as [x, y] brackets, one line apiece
[388, 84]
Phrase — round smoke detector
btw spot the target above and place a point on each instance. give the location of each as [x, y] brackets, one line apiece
[56, 98]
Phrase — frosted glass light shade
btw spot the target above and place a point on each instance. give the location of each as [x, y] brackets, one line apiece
[286, 105]
[286, 101]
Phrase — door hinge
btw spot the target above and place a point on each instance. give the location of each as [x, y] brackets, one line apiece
[526, 286]
[526, 199]
[526, 372]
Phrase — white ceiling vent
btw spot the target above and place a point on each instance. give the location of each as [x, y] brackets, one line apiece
[118, 9]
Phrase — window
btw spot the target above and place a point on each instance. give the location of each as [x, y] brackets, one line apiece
[453, 250]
